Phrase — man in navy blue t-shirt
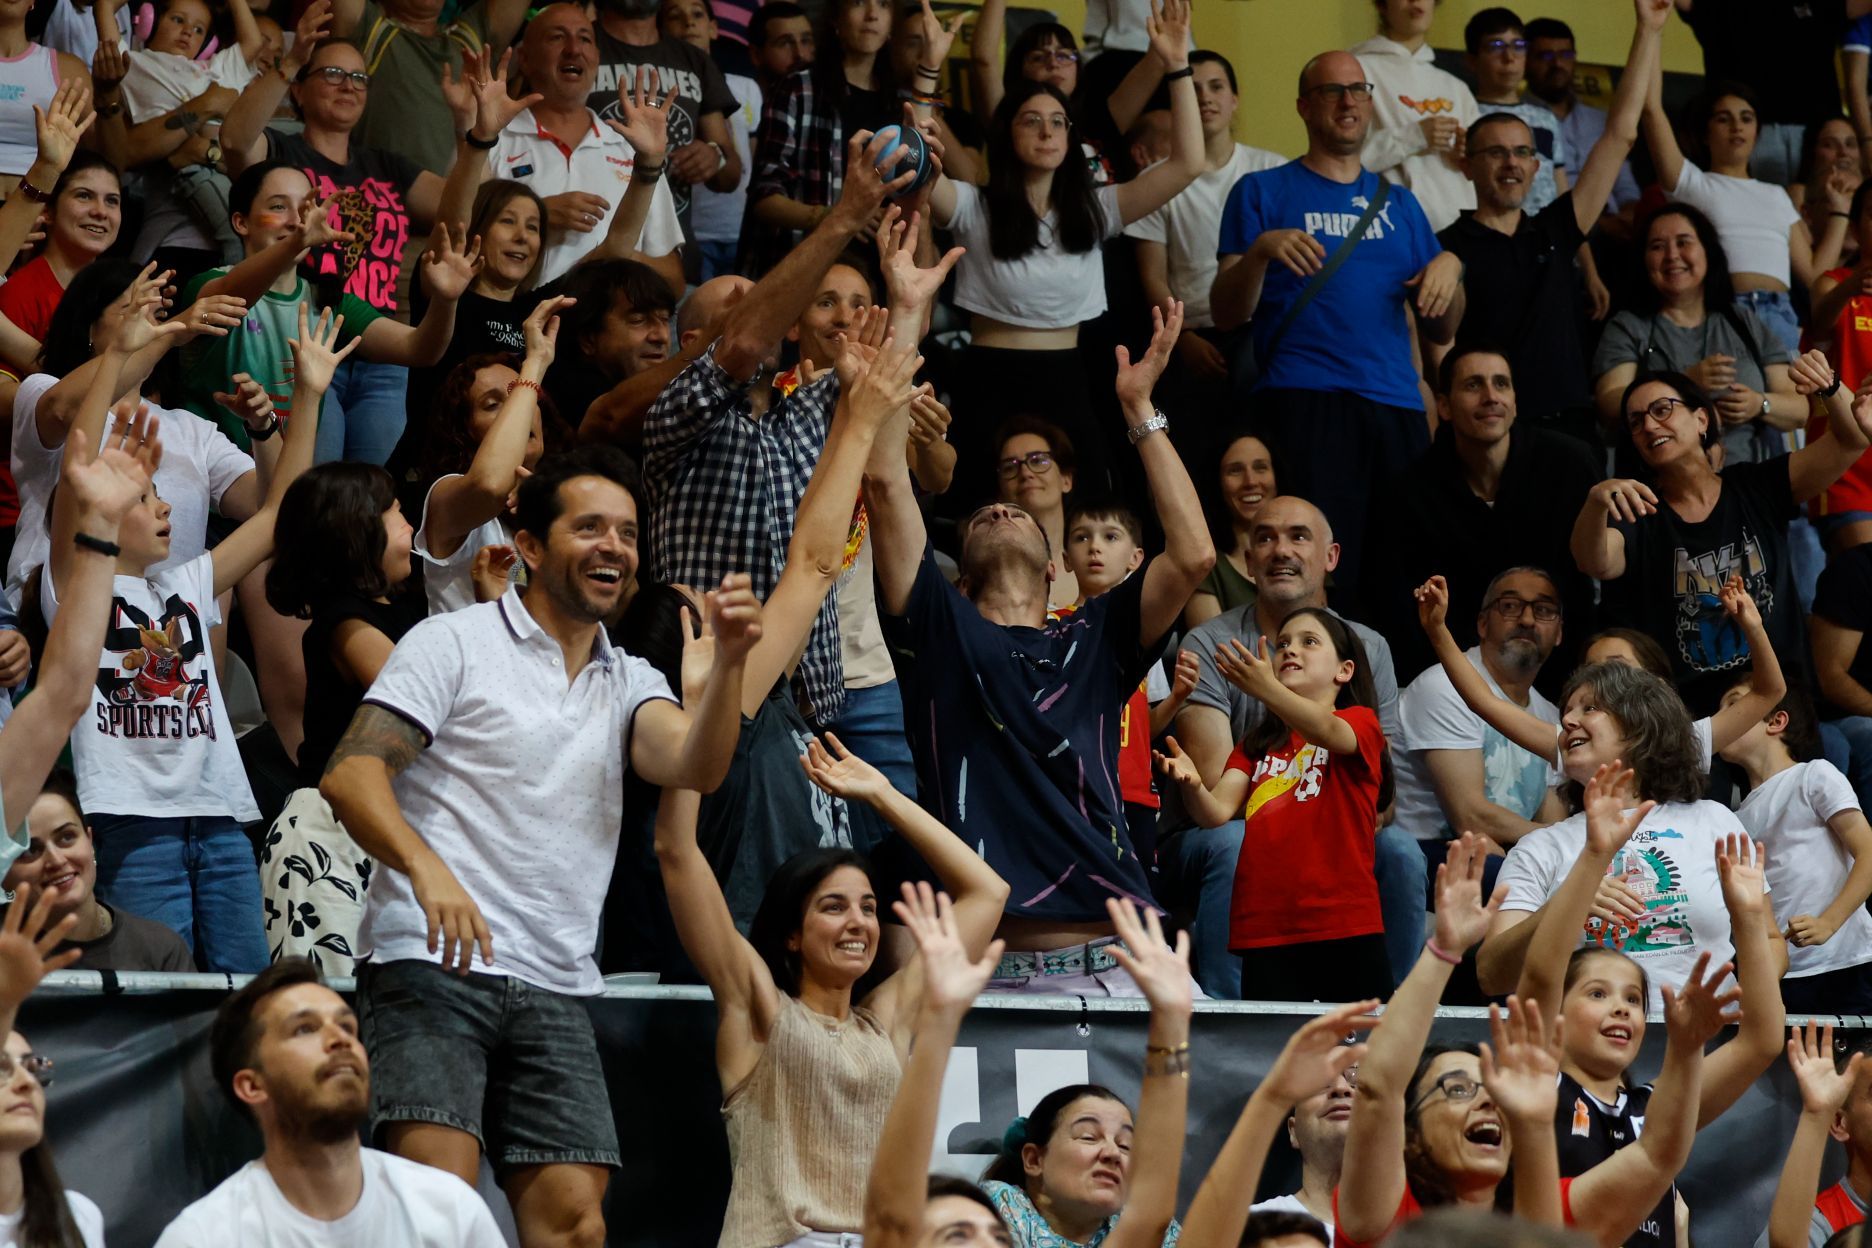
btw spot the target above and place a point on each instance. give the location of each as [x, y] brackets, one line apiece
[1339, 392]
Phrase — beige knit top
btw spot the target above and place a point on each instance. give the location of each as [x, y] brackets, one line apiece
[803, 1126]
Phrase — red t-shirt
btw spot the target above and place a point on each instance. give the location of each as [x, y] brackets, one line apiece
[1305, 872]
[1852, 355]
[1409, 1210]
[1836, 1204]
[30, 297]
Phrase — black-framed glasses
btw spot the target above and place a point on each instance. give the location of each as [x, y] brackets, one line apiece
[1504, 45]
[1565, 56]
[1336, 91]
[335, 76]
[1660, 410]
[1456, 1086]
[1496, 151]
[40, 1068]
[1510, 607]
[1037, 462]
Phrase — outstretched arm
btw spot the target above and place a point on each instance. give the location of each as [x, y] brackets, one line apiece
[1849, 422]
[1162, 972]
[1825, 1089]
[1593, 188]
[1659, 137]
[1733, 1068]
[1188, 552]
[1766, 687]
[1163, 181]
[1209, 807]
[691, 746]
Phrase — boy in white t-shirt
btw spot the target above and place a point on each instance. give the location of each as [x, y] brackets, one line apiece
[1819, 857]
[157, 763]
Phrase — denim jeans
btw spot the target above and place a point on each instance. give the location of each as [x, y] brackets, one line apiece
[1403, 883]
[872, 727]
[195, 875]
[718, 256]
[1776, 309]
[364, 413]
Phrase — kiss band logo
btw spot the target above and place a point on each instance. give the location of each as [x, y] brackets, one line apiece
[1428, 108]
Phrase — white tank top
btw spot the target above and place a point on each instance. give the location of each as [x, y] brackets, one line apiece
[24, 81]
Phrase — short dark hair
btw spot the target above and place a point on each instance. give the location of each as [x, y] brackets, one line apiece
[1282, 1224]
[1496, 118]
[1037, 1127]
[1203, 56]
[81, 161]
[1040, 427]
[772, 11]
[941, 1185]
[1693, 396]
[1548, 28]
[783, 908]
[603, 285]
[329, 537]
[1520, 569]
[1802, 734]
[1718, 286]
[1702, 109]
[62, 784]
[1490, 22]
[246, 188]
[538, 503]
[1659, 745]
[651, 629]
[1109, 508]
[236, 1031]
[1446, 371]
[94, 288]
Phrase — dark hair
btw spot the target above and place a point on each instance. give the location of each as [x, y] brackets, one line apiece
[1282, 1224]
[1037, 1128]
[1209, 484]
[772, 11]
[329, 41]
[1446, 370]
[1850, 1237]
[1270, 732]
[1576, 967]
[1702, 110]
[1032, 37]
[45, 1215]
[81, 161]
[1645, 648]
[828, 67]
[62, 784]
[1203, 56]
[93, 289]
[1810, 146]
[329, 538]
[606, 285]
[1548, 28]
[246, 188]
[1423, 1176]
[449, 443]
[492, 200]
[538, 504]
[651, 629]
[1058, 443]
[1693, 396]
[1659, 745]
[1490, 22]
[1802, 734]
[783, 907]
[941, 1185]
[1013, 227]
[1718, 287]
[1482, 1228]
[854, 258]
[1491, 119]
[236, 1031]
[1109, 508]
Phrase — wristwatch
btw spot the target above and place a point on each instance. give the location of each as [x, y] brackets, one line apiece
[267, 430]
[721, 157]
[1157, 422]
[1764, 410]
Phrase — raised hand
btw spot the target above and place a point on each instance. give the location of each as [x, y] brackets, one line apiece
[1433, 604]
[109, 482]
[856, 348]
[542, 329]
[1742, 865]
[449, 267]
[1810, 373]
[26, 945]
[1521, 1063]
[313, 25]
[108, 67]
[734, 617]
[929, 419]
[1652, 14]
[63, 122]
[491, 570]
[213, 315]
[1247, 670]
[248, 402]
[1168, 27]
[1824, 1087]
[459, 93]
[139, 327]
[1462, 919]
[951, 980]
[316, 356]
[1738, 604]
[643, 117]
[1184, 678]
[866, 186]
[698, 654]
[315, 224]
[1622, 498]
[1317, 1054]
[1137, 381]
[842, 773]
[885, 385]
[938, 39]
[1696, 1013]
[909, 286]
[494, 108]
[1161, 972]
[1608, 824]
[1176, 765]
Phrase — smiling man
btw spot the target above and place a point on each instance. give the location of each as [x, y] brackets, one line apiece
[285, 1050]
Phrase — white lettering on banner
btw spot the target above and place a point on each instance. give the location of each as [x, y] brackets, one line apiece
[1036, 1073]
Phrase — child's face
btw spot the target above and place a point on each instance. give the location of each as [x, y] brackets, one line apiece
[1500, 65]
[1750, 741]
[1100, 554]
[276, 209]
[272, 43]
[182, 28]
[144, 533]
[1306, 660]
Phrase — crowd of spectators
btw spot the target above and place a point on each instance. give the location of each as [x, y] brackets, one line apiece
[635, 487]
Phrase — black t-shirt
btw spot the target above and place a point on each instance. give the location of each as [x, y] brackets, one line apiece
[1590, 1131]
[1782, 48]
[1844, 599]
[1523, 299]
[865, 109]
[332, 697]
[133, 943]
[373, 190]
[1014, 734]
[700, 89]
[1674, 571]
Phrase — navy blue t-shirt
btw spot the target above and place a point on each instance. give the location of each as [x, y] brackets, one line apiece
[1354, 334]
[1014, 731]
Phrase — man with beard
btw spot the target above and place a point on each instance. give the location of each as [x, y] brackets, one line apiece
[1289, 554]
[1551, 56]
[485, 774]
[285, 1050]
[701, 149]
[1455, 773]
[1317, 1131]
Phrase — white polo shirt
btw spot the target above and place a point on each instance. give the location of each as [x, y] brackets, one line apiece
[520, 792]
[601, 164]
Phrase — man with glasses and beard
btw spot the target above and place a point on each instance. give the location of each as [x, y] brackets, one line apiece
[285, 1050]
[1551, 57]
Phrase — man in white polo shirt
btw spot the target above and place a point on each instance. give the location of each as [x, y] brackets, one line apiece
[485, 774]
[577, 163]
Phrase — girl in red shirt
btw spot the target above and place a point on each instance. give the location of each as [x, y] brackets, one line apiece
[1307, 781]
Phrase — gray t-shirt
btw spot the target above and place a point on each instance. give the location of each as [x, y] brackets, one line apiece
[1655, 343]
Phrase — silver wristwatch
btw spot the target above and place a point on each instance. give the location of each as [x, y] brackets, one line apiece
[1158, 421]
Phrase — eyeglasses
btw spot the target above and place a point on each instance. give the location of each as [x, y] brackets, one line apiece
[1037, 462]
[333, 76]
[1499, 46]
[1057, 56]
[1336, 91]
[1510, 607]
[1565, 56]
[1043, 121]
[40, 1068]
[1659, 410]
[1498, 152]
[1456, 1087]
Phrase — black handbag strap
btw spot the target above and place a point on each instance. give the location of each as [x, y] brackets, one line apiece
[1319, 280]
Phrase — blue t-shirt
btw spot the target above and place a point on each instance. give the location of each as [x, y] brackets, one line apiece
[1015, 735]
[1354, 334]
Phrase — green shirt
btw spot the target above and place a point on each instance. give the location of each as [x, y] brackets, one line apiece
[258, 347]
[406, 113]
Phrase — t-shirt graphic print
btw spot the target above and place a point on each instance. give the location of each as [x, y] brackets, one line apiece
[150, 691]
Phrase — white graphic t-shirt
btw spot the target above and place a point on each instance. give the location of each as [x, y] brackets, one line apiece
[1807, 864]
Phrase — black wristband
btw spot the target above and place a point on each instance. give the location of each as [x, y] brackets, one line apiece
[927, 72]
[481, 145]
[1830, 391]
[1188, 71]
[86, 542]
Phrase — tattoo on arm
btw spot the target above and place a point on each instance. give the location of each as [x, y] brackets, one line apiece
[380, 734]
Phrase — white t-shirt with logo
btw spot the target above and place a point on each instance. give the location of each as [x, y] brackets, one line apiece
[1670, 863]
[1190, 225]
[404, 1203]
[157, 740]
[1433, 716]
[88, 1216]
[1807, 864]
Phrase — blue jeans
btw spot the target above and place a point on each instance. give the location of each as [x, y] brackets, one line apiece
[718, 256]
[364, 413]
[1856, 732]
[1778, 152]
[1403, 883]
[195, 875]
[872, 727]
[1776, 309]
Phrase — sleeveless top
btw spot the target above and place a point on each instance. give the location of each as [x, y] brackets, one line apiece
[24, 81]
[803, 1125]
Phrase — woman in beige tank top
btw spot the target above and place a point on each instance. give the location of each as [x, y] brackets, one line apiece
[808, 1064]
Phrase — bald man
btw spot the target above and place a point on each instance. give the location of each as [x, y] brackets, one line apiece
[1289, 554]
[1338, 394]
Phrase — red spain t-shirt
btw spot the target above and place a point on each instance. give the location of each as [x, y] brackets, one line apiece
[1852, 355]
[1305, 872]
[1409, 1211]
